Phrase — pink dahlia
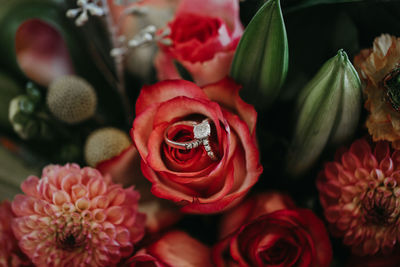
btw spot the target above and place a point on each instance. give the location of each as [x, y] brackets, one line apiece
[10, 254]
[360, 196]
[76, 217]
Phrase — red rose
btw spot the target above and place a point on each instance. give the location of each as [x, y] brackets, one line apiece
[252, 208]
[204, 37]
[173, 249]
[191, 177]
[282, 238]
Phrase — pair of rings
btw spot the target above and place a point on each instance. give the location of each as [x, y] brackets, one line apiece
[201, 134]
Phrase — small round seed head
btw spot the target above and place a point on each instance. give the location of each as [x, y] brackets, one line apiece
[71, 99]
[104, 144]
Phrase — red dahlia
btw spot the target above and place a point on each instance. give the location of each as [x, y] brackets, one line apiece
[360, 196]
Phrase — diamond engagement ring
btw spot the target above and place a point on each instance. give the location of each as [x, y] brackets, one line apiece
[201, 133]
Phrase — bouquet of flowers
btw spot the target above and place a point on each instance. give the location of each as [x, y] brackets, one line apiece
[197, 133]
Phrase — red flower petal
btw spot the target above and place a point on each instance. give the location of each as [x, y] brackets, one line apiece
[166, 90]
[41, 52]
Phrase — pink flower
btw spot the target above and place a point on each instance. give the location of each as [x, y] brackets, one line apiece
[10, 254]
[175, 248]
[360, 195]
[191, 178]
[74, 217]
[204, 35]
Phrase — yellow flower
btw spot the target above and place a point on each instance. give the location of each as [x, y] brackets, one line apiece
[380, 71]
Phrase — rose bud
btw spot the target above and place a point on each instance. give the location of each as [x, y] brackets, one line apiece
[175, 248]
[289, 237]
[379, 69]
[252, 208]
[328, 109]
[202, 38]
[197, 145]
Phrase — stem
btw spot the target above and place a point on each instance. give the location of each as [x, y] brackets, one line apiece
[118, 61]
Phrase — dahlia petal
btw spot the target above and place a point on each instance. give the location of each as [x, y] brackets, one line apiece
[82, 204]
[114, 215]
[396, 159]
[381, 151]
[29, 186]
[116, 197]
[78, 191]
[360, 148]
[386, 165]
[370, 162]
[23, 205]
[100, 202]
[123, 236]
[60, 197]
[331, 171]
[96, 187]
[68, 182]
[99, 215]
[350, 162]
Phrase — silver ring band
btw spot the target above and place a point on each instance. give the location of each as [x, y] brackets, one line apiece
[201, 132]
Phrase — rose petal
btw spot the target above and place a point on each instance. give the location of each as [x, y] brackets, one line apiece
[166, 90]
[179, 249]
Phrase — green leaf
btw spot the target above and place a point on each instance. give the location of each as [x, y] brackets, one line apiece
[328, 111]
[261, 59]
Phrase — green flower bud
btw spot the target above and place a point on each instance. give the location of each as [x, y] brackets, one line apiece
[26, 105]
[327, 110]
[21, 115]
[33, 92]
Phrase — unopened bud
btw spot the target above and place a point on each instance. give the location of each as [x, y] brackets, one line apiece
[328, 111]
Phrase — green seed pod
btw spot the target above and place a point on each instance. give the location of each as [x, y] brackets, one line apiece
[8, 90]
[104, 144]
[71, 99]
[33, 92]
[327, 110]
[20, 113]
